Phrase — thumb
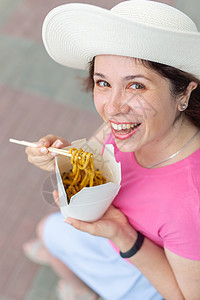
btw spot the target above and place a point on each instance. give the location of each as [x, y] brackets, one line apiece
[56, 197]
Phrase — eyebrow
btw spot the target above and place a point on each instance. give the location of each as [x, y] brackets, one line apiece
[129, 77]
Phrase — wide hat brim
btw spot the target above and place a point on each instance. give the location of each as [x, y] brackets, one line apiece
[74, 33]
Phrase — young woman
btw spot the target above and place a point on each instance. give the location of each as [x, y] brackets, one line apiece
[144, 72]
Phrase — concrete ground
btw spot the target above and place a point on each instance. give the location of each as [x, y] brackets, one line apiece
[37, 97]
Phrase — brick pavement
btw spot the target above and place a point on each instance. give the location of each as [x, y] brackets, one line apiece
[28, 117]
[30, 107]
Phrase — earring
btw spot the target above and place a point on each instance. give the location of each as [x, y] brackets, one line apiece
[183, 106]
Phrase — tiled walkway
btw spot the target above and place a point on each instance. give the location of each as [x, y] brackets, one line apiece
[27, 116]
[37, 97]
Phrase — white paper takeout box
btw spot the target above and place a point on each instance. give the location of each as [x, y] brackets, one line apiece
[91, 202]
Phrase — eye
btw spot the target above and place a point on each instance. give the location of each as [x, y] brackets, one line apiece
[136, 86]
[103, 83]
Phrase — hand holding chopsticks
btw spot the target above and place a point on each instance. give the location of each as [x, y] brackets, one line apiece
[50, 149]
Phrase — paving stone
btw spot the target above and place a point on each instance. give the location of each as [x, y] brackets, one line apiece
[20, 279]
[43, 286]
[191, 8]
[27, 116]
[7, 8]
[27, 70]
[29, 24]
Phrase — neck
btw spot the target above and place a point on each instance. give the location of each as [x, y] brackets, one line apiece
[169, 149]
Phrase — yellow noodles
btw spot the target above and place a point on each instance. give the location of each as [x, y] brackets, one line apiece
[83, 173]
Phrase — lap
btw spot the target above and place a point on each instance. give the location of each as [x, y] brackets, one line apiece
[95, 261]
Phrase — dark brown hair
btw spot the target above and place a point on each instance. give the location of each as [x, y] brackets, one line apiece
[178, 79]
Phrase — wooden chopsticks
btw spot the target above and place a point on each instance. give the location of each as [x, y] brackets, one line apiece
[51, 149]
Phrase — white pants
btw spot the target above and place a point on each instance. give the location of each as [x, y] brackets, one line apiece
[95, 261]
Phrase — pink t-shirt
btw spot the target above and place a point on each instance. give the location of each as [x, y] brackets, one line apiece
[162, 203]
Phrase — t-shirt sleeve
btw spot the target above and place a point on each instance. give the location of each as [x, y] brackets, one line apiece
[181, 233]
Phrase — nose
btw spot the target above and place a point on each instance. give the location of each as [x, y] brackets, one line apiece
[116, 104]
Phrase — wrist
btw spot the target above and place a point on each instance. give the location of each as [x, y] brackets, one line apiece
[135, 247]
[125, 238]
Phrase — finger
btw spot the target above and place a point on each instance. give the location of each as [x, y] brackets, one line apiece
[56, 197]
[57, 144]
[65, 142]
[34, 151]
[44, 143]
[40, 159]
[50, 139]
[37, 151]
[81, 225]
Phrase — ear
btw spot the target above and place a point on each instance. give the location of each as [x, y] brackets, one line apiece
[184, 99]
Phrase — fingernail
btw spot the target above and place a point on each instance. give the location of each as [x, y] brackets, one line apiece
[58, 143]
[44, 150]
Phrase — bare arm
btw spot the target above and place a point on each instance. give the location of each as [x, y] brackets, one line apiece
[150, 259]
[187, 273]
[153, 263]
[158, 265]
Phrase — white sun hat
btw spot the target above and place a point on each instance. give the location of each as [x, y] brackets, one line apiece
[74, 33]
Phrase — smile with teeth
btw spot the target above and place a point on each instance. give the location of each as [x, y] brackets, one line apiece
[124, 128]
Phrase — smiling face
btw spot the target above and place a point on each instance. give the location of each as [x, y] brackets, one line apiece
[135, 101]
